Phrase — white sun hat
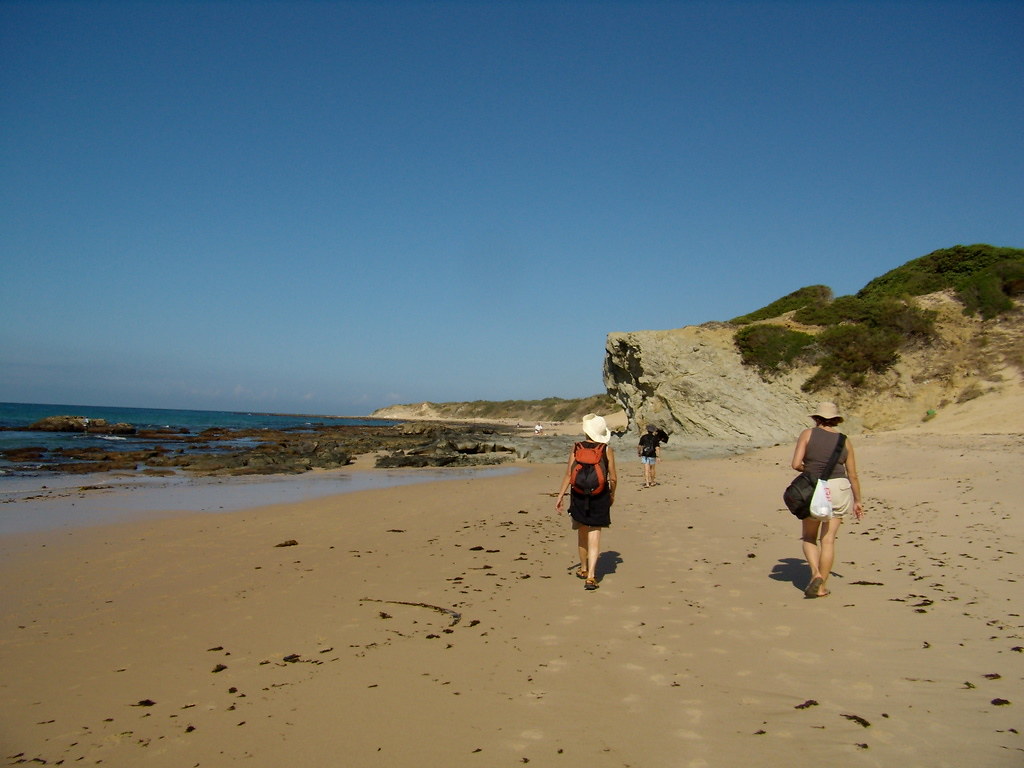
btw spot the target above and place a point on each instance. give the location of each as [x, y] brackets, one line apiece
[596, 429]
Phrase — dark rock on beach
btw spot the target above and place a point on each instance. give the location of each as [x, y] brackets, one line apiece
[80, 424]
[221, 451]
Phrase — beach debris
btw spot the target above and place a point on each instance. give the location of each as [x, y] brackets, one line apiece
[456, 617]
[807, 704]
[291, 658]
[857, 719]
[144, 703]
[1000, 702]
[218, 668]
[288, 543]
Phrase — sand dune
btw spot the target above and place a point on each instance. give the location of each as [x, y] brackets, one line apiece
[440, 625]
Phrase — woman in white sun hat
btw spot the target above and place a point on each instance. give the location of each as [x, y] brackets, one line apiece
[812, 452]
[590, 511]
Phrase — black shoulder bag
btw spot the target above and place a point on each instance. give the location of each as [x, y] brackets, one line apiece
[798, 495]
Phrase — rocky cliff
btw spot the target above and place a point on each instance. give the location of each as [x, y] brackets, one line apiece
[691, 381]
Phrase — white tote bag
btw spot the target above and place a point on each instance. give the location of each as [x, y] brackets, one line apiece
[821, 501]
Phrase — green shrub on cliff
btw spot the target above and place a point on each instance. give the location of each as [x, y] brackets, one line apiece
[862, 334]
[878, 312]
[991, 291]
[851, 352]
[984, 277]
[770, 348]
[810, 295]
[859, 336]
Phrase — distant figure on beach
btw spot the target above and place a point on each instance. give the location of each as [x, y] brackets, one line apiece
[649, 451]
[591, 478]
[812, 452]
[539, 429]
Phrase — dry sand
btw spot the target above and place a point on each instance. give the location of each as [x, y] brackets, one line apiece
[441, 625]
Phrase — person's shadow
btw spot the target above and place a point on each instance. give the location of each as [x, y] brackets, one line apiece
[607, 563]
[791, 569]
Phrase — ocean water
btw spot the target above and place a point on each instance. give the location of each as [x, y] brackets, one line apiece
[62, 502]
[14, 415]
[36, 500]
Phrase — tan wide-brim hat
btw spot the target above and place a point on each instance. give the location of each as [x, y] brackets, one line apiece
[827, 411]
[596, 428]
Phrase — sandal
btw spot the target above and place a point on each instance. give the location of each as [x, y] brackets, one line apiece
[813, 587]
[580, 573]
[590, 584]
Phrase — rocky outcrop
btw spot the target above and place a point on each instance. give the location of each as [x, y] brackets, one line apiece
[221, 451]
[691, 382]
[80, 424]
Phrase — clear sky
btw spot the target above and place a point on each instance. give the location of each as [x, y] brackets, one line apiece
[327, 207]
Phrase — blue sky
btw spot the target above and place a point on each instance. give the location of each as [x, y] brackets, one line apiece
[327, 207]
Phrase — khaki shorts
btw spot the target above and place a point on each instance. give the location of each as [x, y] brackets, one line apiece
[842, 496]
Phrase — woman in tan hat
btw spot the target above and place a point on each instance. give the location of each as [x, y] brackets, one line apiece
[590, 511]
[813, 450]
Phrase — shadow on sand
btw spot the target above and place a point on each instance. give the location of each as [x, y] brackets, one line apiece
[607, 563]
[792, 569]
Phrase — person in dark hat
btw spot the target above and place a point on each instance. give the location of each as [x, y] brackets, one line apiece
[813, 449]
[649, 451]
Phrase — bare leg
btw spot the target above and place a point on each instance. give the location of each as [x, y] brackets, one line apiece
[581, 541]
[829, 529]
[820, 555]
[810, 546]
[593, 550]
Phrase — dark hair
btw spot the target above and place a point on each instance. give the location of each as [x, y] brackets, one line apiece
[822, 422]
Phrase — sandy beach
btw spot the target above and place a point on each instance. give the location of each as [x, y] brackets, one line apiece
[440, 624]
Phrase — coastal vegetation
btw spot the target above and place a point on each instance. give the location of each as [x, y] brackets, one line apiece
[984, 278]
[802, 297]
[772, 348]
[864, 333]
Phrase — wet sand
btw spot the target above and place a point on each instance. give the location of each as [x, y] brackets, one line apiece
[440, 625]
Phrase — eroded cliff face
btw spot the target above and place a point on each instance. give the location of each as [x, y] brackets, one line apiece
[691, 381]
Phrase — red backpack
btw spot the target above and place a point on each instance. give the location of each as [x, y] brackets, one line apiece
[589, 476]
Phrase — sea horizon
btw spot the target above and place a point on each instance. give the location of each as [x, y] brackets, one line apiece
[32, 406]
